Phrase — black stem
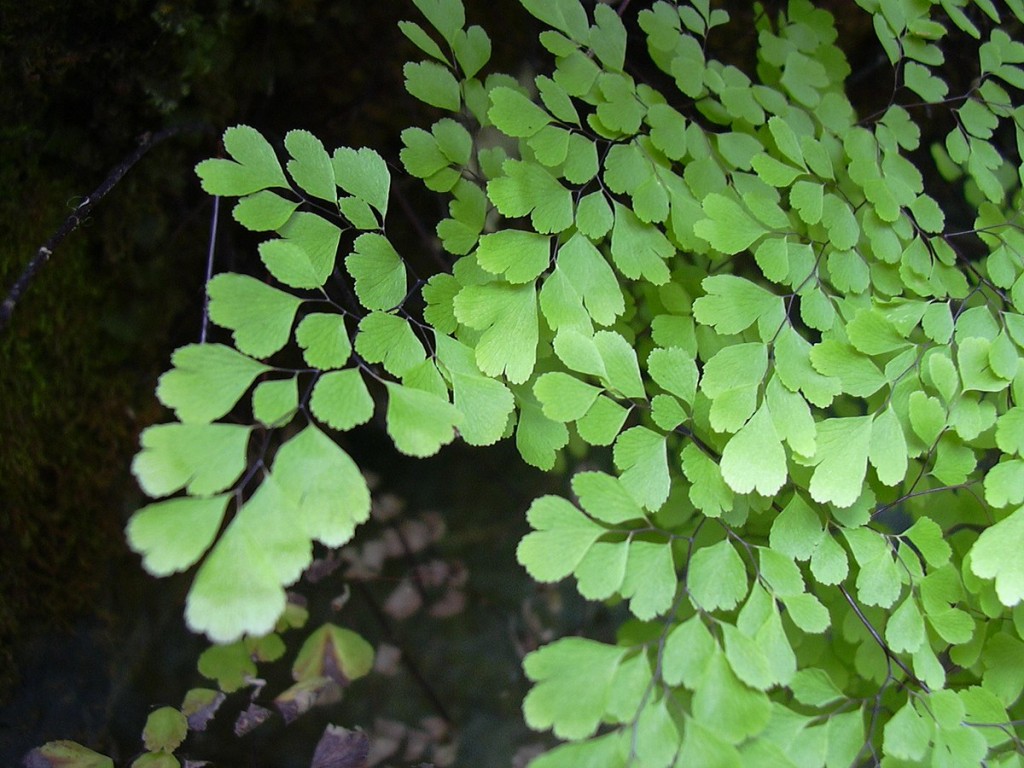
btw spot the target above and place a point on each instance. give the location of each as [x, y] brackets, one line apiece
[146, 142]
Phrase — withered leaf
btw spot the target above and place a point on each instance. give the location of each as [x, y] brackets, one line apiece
[252, 718]
[304, 695]
[341, 748]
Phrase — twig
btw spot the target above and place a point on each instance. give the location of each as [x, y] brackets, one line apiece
[209, 268]
[146, 142]
[881, 643]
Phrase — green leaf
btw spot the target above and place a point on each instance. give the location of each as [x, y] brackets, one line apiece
[560, 671]
[797, 530]
[334, 652]
[418, 37]
[67, 754]
[650, 583]
[841, 460]
[775, 172]
[995, 556]
[514, 114]
[446, 16]
[905, 630]
[887, 448]
[621, 370]
[858, 373]
[675, 371]
[206, 382]
[388, 339]
[433, 84]
[930, 541]
[640, 455]
[807, 612]
[878, 582]
[165, 730]
[590, 274]
[419, 422]
[507, 315]
[538, 438]
[529, 189]
[813, 687]
[304, 257]
[731, 379]
[733, 304]
[754, 460]
[603, 422]
[324, 340]
[926, 85]
[871, 332]
[341, 400]
[326, 488]
[263, 211]
[1010, 431]
[728, 227]
[564, 397]
[275, 402]
[260, 316]
[485, 404]
[255, 165]
[378, 271]
[472, 50]
[562, 536]
[605, 498]
[907, 734]
[310, 166]
[594, 217]
[746, 658]
[804, 78]
[172, 535]
[975, 366]
[727, 707]
[717, 578]
[688, 648]
[202, 458]
[791, 417]
[668, 130]
[638, 249]
[517, 254]
[468, 210]
[829, 563]
[1004, 484]
[708, 491]
[608, 38]
[238, 588]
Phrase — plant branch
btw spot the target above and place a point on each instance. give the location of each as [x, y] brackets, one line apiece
[145, 143]
[881, 643]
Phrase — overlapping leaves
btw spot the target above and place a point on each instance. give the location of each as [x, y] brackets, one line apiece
[746, 292]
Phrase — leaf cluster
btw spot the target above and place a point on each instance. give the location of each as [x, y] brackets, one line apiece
[808, 385]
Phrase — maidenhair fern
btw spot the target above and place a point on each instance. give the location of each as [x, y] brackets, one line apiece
[808, 379]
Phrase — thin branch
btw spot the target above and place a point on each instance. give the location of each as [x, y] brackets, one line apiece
[881, 643]
[146, 142]
[209, 268]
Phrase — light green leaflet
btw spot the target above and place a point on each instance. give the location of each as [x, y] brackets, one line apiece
[507, 316]
[202, 458]
[259, 315]
[363, 174]
[255, 165]
[239, 587]
[207, 381]
[378, 271]
[304, 255]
